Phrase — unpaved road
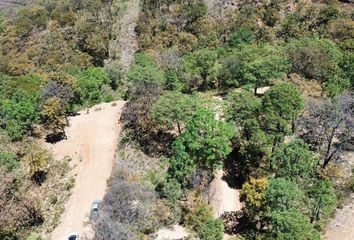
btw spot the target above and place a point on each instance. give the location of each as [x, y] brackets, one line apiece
[91, 142]
[342, 225]
[222, 197]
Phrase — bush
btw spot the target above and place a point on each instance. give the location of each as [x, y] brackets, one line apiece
[91, 82]
[128, 204]
[8, 160]
[314, 58]
[201, 220]
[144, 69]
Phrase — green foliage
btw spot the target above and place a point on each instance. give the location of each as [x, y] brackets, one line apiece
[291, 224]
[253, 147]
[181, 164]
[171, 190]
[91, 82]
[256, 65]
[293, 161]
[18, 114]
[242, 106]
[281, 105]
[322, 200]
[243, 35]
[2, 22]
[206, 140]
[200, 219]
[204, 144]
[318, 59]
[174, 109]
[200, 69]
[29, 84]
[144, 69]
[116, 74]
[8, 160]
[283, 194]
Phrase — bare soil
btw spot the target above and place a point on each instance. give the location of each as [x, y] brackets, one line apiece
[222, 197]
[92, 138]
[342, 225]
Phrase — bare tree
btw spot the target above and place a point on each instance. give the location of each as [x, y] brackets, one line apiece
[329, 125]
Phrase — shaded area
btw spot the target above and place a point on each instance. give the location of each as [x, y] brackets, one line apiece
[234, 170]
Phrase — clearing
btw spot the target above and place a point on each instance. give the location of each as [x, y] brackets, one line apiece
[222, 197]
[92, 138]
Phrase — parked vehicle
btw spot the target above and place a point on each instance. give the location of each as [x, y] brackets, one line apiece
[73, 236]
[94, 209]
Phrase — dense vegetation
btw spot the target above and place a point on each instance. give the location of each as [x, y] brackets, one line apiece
[195, 106]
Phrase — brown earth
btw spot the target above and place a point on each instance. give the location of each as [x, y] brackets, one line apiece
[342, 225]
[92, 138]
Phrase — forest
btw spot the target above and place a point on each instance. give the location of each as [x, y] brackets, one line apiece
[262, 90]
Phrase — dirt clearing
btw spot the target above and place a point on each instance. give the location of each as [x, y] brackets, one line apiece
[92, 138]
[222, 197]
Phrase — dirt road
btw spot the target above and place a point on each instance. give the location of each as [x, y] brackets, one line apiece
[222, 197]
[91, 141]
[342, 225]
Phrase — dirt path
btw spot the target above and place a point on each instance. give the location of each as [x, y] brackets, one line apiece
[342, 225]
[91, 143]
[125, 44]
[222, 197]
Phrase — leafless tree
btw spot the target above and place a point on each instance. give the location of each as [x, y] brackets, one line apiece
[329, 125]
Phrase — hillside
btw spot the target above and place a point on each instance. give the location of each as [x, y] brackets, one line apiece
[235, 119]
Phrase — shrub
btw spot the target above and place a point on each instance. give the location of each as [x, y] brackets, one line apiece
[201, 220]
[8, 160]
[91, 82]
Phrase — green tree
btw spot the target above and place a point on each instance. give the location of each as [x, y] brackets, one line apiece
[256, 65]
[242, 106]
[322, 200]
[283, 194]
[181, 164]
[91, 82]
[293, 161]
[174, 109]
[291, 225]
[206, 140]
[201, 220]
[318, 59]
[281, 106]
[18, 114]
[144, 69]
[253, 148]
[200, 69]
[243, 35]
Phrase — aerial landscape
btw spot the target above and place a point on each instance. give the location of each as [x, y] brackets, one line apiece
[176, 119]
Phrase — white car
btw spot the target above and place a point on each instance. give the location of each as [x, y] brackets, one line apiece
[73, 236]
[94, 209]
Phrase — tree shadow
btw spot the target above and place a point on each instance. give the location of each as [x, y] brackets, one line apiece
[235, 222]
[233, 171]
[55, 137]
